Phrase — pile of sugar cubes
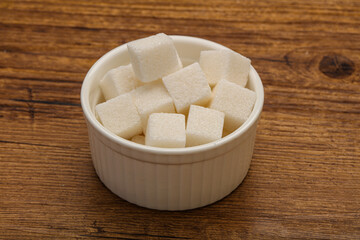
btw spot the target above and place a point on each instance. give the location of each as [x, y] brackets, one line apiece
[157, 102]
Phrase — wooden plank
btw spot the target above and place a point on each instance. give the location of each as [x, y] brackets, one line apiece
[304, 180]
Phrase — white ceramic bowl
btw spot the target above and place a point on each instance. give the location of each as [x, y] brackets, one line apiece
[168, 178]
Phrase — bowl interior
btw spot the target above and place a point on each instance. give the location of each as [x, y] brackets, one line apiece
[189, 49]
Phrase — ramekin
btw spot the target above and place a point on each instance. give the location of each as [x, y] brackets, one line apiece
[168, 178]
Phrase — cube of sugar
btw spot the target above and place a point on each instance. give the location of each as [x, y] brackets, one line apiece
[140, 139]
[166, 130]
[152, 98]
[118, 81]
[119, 115]
[204, 125]
[153, 57]
[225, 64]
[188, 86]
[235, 101]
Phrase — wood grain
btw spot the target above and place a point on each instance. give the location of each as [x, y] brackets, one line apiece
[304, 181]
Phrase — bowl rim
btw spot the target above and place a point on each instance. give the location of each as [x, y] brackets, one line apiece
[90, 117]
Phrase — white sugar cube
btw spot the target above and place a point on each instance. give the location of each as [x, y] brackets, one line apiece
[152, 98]
[118, 81]
[166, 130]
[140, 139]
[204, 125]
[225, 64]
[153, 57]
[235, 101]
[119, 115]
[188, 86]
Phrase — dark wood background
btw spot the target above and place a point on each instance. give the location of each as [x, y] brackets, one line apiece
[304, 181]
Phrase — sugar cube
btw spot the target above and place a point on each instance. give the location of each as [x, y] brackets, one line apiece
[225, 64]
[204, 125]
[118, 81]
[233, 100]
[119, 115]
[152, 98]
[188, 86]
[140, 139]
[166, 130]
[153, 57]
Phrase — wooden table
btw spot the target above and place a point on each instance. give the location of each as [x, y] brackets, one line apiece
[304, 180]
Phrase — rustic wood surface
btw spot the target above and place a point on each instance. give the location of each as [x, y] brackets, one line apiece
[304, 181]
